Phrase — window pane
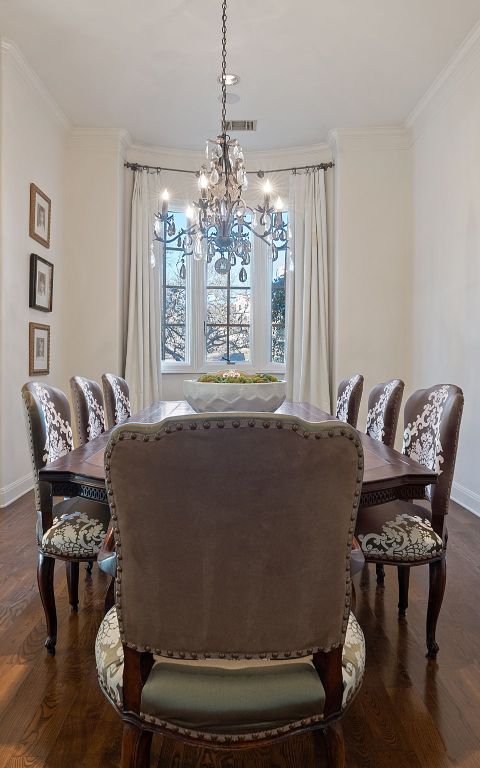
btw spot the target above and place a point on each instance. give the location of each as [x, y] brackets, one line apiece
[217, 305]
[240, 306]
[213, 278]
[240, 344]
[174, 293]
[278, 344]
[216, 340]
[174, 343]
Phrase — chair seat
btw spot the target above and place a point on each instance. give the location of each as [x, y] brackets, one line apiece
[398, 532]
[78, 529]
[228, 697]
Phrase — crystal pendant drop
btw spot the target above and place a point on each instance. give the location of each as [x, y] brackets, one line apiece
[183, 272]
[214, 177]
[243, 275]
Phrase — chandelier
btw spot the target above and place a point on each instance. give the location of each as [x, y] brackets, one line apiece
[220, 222]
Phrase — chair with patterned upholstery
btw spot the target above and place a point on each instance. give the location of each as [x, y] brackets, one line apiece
[116, 398]
[384, 403]
[404, 534]
[264, 644]
[88, 406]
[349, 396]
[73, 529]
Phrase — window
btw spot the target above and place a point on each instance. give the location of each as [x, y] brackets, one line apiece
[212, 319]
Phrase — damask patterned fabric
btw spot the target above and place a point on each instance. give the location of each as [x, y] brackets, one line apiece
[376, 415]
[96, 416]
[406, 538]
[421, 438]
[78, 530]
[122, 404]
[59, 432]
[109, 660]
[344, 399]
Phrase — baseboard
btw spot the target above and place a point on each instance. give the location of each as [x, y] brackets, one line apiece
[467, 498]
[14, 490]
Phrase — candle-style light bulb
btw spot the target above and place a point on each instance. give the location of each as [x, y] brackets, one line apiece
[202, 180]
[267, 191]
[189, 213]
[279, 204]
[165, 199]
[267, 187]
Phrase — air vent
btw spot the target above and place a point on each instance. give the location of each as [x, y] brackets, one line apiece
[241, 125]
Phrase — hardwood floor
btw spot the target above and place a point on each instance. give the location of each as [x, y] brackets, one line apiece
[410, 713]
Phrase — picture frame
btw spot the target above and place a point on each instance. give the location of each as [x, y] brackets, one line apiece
[39, 349]
[40, 216]
[41, 283]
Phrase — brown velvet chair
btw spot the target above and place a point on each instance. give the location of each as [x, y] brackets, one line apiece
[243, 533]
[349, 396]
[404, 534]
[384, 403]
[116, 398]
[71, 530]
[88, 407]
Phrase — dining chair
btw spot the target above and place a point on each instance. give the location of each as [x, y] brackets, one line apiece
[404, 533]
[71, 530]
[116, 398]
[243, 535]
[349, 396]
[384, 403]
[88, 408]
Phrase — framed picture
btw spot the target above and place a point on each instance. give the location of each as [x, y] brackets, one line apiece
[40, 215]
[41, 283]
[39, 348]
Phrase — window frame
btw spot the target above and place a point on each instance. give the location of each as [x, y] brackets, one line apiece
[196, 307]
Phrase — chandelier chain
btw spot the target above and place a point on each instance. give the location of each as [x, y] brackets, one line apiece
[224, 66]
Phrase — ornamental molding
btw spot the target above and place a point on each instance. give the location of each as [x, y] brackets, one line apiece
[463, 62]
[11, 53]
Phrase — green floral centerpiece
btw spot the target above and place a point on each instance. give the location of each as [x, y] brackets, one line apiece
[252, 393]
[237, 377]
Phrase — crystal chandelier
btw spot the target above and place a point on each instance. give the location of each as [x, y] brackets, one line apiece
[220, 222]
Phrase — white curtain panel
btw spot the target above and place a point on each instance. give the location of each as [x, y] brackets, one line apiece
[143, 355]
[307, 292]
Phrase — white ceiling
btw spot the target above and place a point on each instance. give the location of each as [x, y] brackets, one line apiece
[306, 66]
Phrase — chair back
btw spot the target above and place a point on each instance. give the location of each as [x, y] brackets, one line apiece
[384, 403]
[349, 396]
[233, 534]
[116, 398]
[88, 407]
[432, 425]
[49, 427]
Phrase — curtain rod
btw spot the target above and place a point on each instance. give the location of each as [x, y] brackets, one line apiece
[260, 174]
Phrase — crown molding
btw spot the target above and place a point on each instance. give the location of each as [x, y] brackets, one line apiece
[465, 59]
[376, 138]
[14, 55]
[101, 140]
[191, 159]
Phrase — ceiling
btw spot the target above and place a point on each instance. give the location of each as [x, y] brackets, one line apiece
[306, 66]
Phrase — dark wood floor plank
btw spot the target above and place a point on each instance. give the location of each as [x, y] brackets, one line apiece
[410, 712]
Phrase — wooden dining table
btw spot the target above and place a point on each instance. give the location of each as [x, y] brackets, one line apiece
[388, 474]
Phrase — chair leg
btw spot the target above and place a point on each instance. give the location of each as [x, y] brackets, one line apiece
[89, 568]
[438, 580]
[380, 573]
[45, 573]
[136, 745]
[403, 583]
[72, 569]
[109, 597]
[335, 746]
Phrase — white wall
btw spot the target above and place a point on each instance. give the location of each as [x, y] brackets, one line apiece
[446, 277]
[373, 252]
[32, 149]
[93, 250]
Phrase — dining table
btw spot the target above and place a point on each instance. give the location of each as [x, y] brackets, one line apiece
[388, 474]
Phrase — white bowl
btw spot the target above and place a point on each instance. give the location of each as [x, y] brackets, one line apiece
[207, 397]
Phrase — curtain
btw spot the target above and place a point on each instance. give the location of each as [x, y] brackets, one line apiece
[143, 352]
[308, 374]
